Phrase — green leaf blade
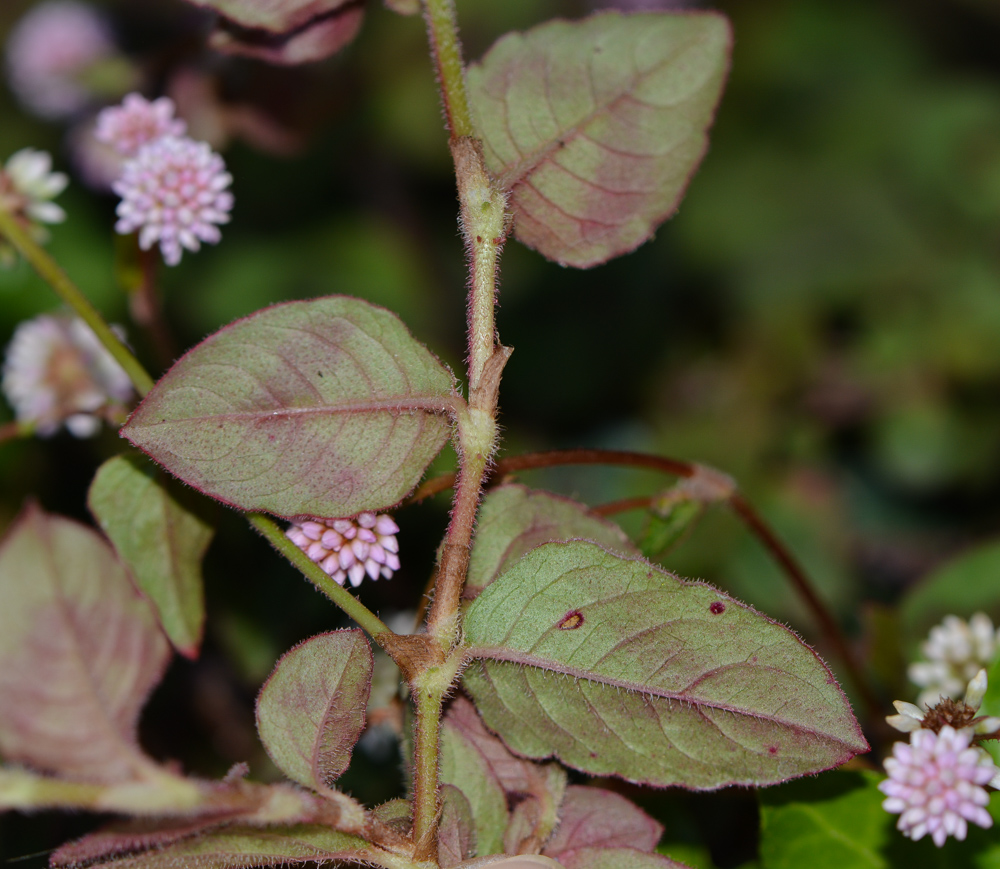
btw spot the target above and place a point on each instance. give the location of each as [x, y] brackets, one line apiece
[596, 125]
[311, 711]
[618, 668]
[160, 540]
[323, 408]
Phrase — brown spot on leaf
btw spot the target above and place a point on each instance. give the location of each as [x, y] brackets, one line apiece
[717, 608]
[772, 749]
[571, 621]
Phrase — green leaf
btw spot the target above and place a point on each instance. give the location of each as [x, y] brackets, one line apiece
[963, 586]
[311, 711]
[666, 527]
[240, 847]
[160, 540]
[836, 821]
[80, 650]
[619, 668]
[515, 519]
[322, 408]
[597, 125]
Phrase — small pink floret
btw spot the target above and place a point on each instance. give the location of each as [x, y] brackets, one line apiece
[174, 194]
[935, 784]
[350, 549]
[137, 121]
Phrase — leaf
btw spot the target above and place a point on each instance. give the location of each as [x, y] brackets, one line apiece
[161, 541]
[619, 668]
[80, 651]
[311, 710]
[284, 31]
[323, 408]
[597, 125]
[515, 519]
[239, 847]
[962, 586]
[836, 821]
[596, 818]
[457, 829]
[464, 768]
[615, 858]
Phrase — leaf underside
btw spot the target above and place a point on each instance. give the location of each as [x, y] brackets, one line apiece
[619, 668]
[311, 710]
[323, 408]
[596, 126]
[515, 519]
[80, 650]
[160, 540]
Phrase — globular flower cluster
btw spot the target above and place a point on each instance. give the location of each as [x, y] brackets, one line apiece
[48, 52]
[955, 650]
[350, 549]
[174, 194]
[57, 372]
[27, 187]
[128, 127]
[935, 784]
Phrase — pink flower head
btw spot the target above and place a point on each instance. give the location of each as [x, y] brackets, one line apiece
[935, 784]
[350, 548]
[48, 51]
[137, 121]
[174, 192]
[57, 373]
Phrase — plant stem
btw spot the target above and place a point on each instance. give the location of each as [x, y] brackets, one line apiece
[56, 278]
[425, 772]
[446, 49]
[318, 577]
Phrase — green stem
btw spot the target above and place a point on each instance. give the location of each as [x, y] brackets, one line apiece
[425, 773]
[364, 617]
[442, 31]
[56, 278]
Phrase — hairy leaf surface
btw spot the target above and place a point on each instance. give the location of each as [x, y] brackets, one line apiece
[80, 650]
[619, 668]
[514, 519]
[321, 408]
[596, 126]
[161, 541]
[240, 847]
[311, 710]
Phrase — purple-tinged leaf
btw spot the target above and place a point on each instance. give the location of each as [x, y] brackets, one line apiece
[522, 861]
[615, 858]
[242, 847]
[457, 828]
[464, 768]
[161, 541]
[323, 408]
[597, 125]
[311, 710]
[515, 519]
[597, 818]
[619, 668]
[320, 38]
[80, 650]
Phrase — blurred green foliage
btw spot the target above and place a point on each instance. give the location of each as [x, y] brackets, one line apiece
[821, 320]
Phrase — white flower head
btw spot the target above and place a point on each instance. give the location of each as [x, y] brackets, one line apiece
[174, 194]
[936, 784]
[48, 52]
[56, 373]
[350, 549]
[956, 651]
[28, 184]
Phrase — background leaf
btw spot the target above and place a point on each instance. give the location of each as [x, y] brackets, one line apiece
[321, 408]
[161, 541]
[457, 829]
[515, 519]
[687, 685]
[311, 711]
[596, 125]
[616, 858]
[836, 821]
[80, 650]
[598, 818]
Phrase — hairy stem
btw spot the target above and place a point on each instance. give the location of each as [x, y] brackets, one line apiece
[56, 278]
[446, 51]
